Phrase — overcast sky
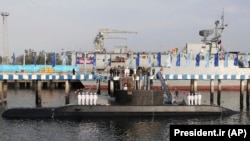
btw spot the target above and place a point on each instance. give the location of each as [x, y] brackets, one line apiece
[53, 25]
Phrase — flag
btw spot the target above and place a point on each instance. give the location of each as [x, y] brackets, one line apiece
[197, 58]
[216, 59]
[138, 60]
[236, 59]
[207, 60]
[149, 60]
[34, 61]
[53, 59]
[168, 62]
[188, 59]
[178, 60]
[226, 59]
[246, 60]
[159, 59]
[94, 60]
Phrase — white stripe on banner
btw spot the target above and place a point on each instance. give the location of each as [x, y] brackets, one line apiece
[34, 76]
[15, 77]
[5, 76]
[43, 77]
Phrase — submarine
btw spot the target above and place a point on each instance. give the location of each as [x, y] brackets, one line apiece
[124, 100]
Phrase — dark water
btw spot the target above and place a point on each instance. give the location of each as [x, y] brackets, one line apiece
[110, 129]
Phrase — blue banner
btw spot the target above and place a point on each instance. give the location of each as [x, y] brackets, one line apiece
[53, 60]
[178, 61]
[216, 59]
[138, 60]
[236, 59]
[197, 58]
[159, 59]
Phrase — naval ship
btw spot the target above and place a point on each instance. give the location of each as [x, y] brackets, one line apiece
[126, 98]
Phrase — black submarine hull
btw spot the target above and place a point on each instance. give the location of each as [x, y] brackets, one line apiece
[80, 111]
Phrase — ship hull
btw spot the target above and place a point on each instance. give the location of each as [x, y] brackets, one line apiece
[79, 111]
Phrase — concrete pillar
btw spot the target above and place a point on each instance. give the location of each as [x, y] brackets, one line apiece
[211, 91]
[38, 94]
[17, 85]
[219, 92]
[241, 93]
[67, 90]
[34, 85]
[248, 93]
[52, 85]
[99, 87]
[1, 92]
[5, 89]
[195, 86]
[191, 87]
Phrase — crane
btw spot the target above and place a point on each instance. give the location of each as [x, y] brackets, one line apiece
[99, 39]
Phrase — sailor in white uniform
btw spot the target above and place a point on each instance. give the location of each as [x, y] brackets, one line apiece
[79, 98]
[188, 99]
[90, 99]
[199, 98]
[87, 98]
[83, 98]
[95, 98]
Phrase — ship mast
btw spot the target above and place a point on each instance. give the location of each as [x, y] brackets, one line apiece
[216, 40]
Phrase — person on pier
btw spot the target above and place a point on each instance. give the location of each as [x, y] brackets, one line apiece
[83, 98]
[87, 98]
[79, 97]
[95, 98]
[91, 99]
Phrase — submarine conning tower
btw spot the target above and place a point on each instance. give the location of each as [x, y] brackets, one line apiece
[126, 92]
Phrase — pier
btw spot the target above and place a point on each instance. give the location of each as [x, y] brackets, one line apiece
[55, 80]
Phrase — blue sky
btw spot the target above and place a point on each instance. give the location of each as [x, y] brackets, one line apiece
[53, 25]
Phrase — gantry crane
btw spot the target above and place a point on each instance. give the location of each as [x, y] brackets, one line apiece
[99, 39]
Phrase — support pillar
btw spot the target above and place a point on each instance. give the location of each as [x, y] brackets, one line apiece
[34, 85]
[52, 85]
[211, 91]
[241, 93]
[99, 87]
[195, 86]
[1, 92]
[248, 93]
[192, 87]
[38, 93]
[17, 85]
[67, 90]
[219, 92]
[5, 89]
